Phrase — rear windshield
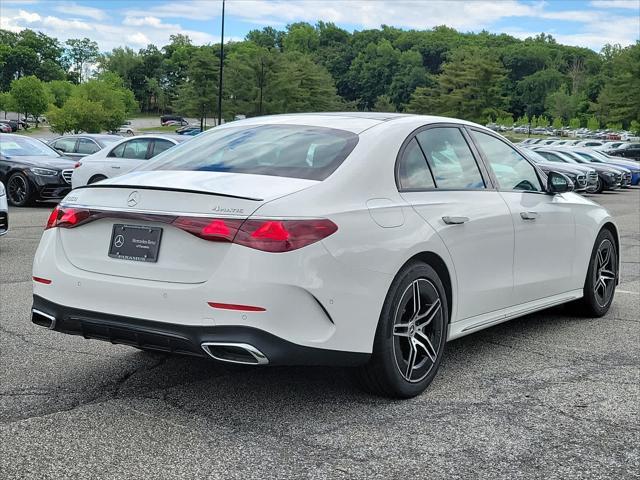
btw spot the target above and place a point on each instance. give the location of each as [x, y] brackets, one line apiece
[297, 151]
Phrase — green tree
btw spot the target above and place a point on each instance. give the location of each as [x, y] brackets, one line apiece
[532, 90]
[29, 96]
[198, 95]
[59, 91]
[384, 104]
[560, 104]
[574, 123]
[77, 115]
[301, 37]
[619, 100]
[82, 52]
[6, 102]
[471, 86]
[557, 123]
[634, 127]
[593, 123]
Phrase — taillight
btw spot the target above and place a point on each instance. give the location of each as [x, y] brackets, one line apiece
[283, 235]
[212, 229]
[67, 217]
[267, 235]
[274, 236]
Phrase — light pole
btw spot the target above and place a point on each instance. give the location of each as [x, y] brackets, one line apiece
[221, 66]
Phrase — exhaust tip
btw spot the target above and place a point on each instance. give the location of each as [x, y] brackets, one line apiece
[43, 319]
[235, 353]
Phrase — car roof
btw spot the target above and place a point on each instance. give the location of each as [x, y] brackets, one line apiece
[355, 122]
[97, 136]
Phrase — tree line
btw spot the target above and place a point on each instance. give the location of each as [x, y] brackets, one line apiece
[476, 76]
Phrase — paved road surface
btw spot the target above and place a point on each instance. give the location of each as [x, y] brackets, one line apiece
[549, 395]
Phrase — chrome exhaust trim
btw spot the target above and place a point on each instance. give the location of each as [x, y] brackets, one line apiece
[217, 351]
[46, 320]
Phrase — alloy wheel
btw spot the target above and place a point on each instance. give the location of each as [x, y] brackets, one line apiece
[17, 189]
[604, 273]
[417, 330]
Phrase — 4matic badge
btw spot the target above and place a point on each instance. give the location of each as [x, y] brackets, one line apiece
[219, 209]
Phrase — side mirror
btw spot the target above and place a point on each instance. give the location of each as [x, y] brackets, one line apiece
[558, 183]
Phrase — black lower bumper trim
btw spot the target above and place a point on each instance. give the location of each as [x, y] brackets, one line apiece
[186, 339]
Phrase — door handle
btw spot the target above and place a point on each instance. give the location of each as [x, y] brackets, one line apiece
[529, 215]
[455, 220]
[114, 166]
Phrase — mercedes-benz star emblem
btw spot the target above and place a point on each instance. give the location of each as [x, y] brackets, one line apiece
[134, 198]
[118, 241]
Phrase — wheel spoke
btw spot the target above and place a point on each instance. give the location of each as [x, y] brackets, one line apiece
[401, 330]
[600, 259]
[606, 256]
[425, 318]
[607, 274]
[415, 289]
[413, 352]
[423, 342]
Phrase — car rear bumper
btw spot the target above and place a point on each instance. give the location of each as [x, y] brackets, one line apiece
[184, 339]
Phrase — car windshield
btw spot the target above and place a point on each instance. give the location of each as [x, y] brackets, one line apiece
[297, 151]
[14, 146]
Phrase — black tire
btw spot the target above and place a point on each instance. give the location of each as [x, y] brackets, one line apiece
[19, 190]
[382, 375]
[602, 276]
[600, 186]
[96, 178]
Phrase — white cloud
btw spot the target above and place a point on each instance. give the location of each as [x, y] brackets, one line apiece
[28, 16]
[154, 22]
[71, 8]
[608, 4]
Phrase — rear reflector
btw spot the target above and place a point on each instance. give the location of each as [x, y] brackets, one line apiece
[268, 235]
[46, 281]
[233, 306]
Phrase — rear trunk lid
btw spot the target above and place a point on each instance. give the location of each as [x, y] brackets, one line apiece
[153, 199]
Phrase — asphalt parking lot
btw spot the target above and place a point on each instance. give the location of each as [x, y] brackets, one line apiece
[548, 396]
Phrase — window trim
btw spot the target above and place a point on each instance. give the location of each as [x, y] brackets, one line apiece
[485, 160]
[489, 184]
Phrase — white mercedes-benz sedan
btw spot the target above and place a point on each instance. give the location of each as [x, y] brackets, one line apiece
[361, 239]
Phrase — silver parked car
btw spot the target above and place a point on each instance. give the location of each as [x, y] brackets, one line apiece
[81, 145]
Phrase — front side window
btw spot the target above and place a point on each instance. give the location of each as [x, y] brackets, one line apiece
[413, 171]
[87, 147]
[511, 169]
[298, 151]
[450, 158]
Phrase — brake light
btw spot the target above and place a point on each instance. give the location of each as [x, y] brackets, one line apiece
[212, 229]
[274, 236]
[278, 236]
[67, 217]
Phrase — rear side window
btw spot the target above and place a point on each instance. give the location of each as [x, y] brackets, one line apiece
[87, 147]
[450, 159]
[133, 149]
[66, 145]
[297, 151]
[160, 146]
[413, 171]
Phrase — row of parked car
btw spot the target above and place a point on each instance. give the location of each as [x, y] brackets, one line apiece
[590, 169]
[615, 148]
[33, 170]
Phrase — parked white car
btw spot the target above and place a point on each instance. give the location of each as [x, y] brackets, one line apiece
[363, 239]
[121, 157]
[4, 210]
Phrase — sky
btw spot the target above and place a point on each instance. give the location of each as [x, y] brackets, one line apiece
[136, 23]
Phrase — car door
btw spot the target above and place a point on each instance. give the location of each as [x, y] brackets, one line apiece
[441, 178]
[544, 224]
[128, 155]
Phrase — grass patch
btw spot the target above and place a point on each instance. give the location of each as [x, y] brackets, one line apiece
[159, 128]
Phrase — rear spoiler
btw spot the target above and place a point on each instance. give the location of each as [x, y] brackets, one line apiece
[169, 189]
